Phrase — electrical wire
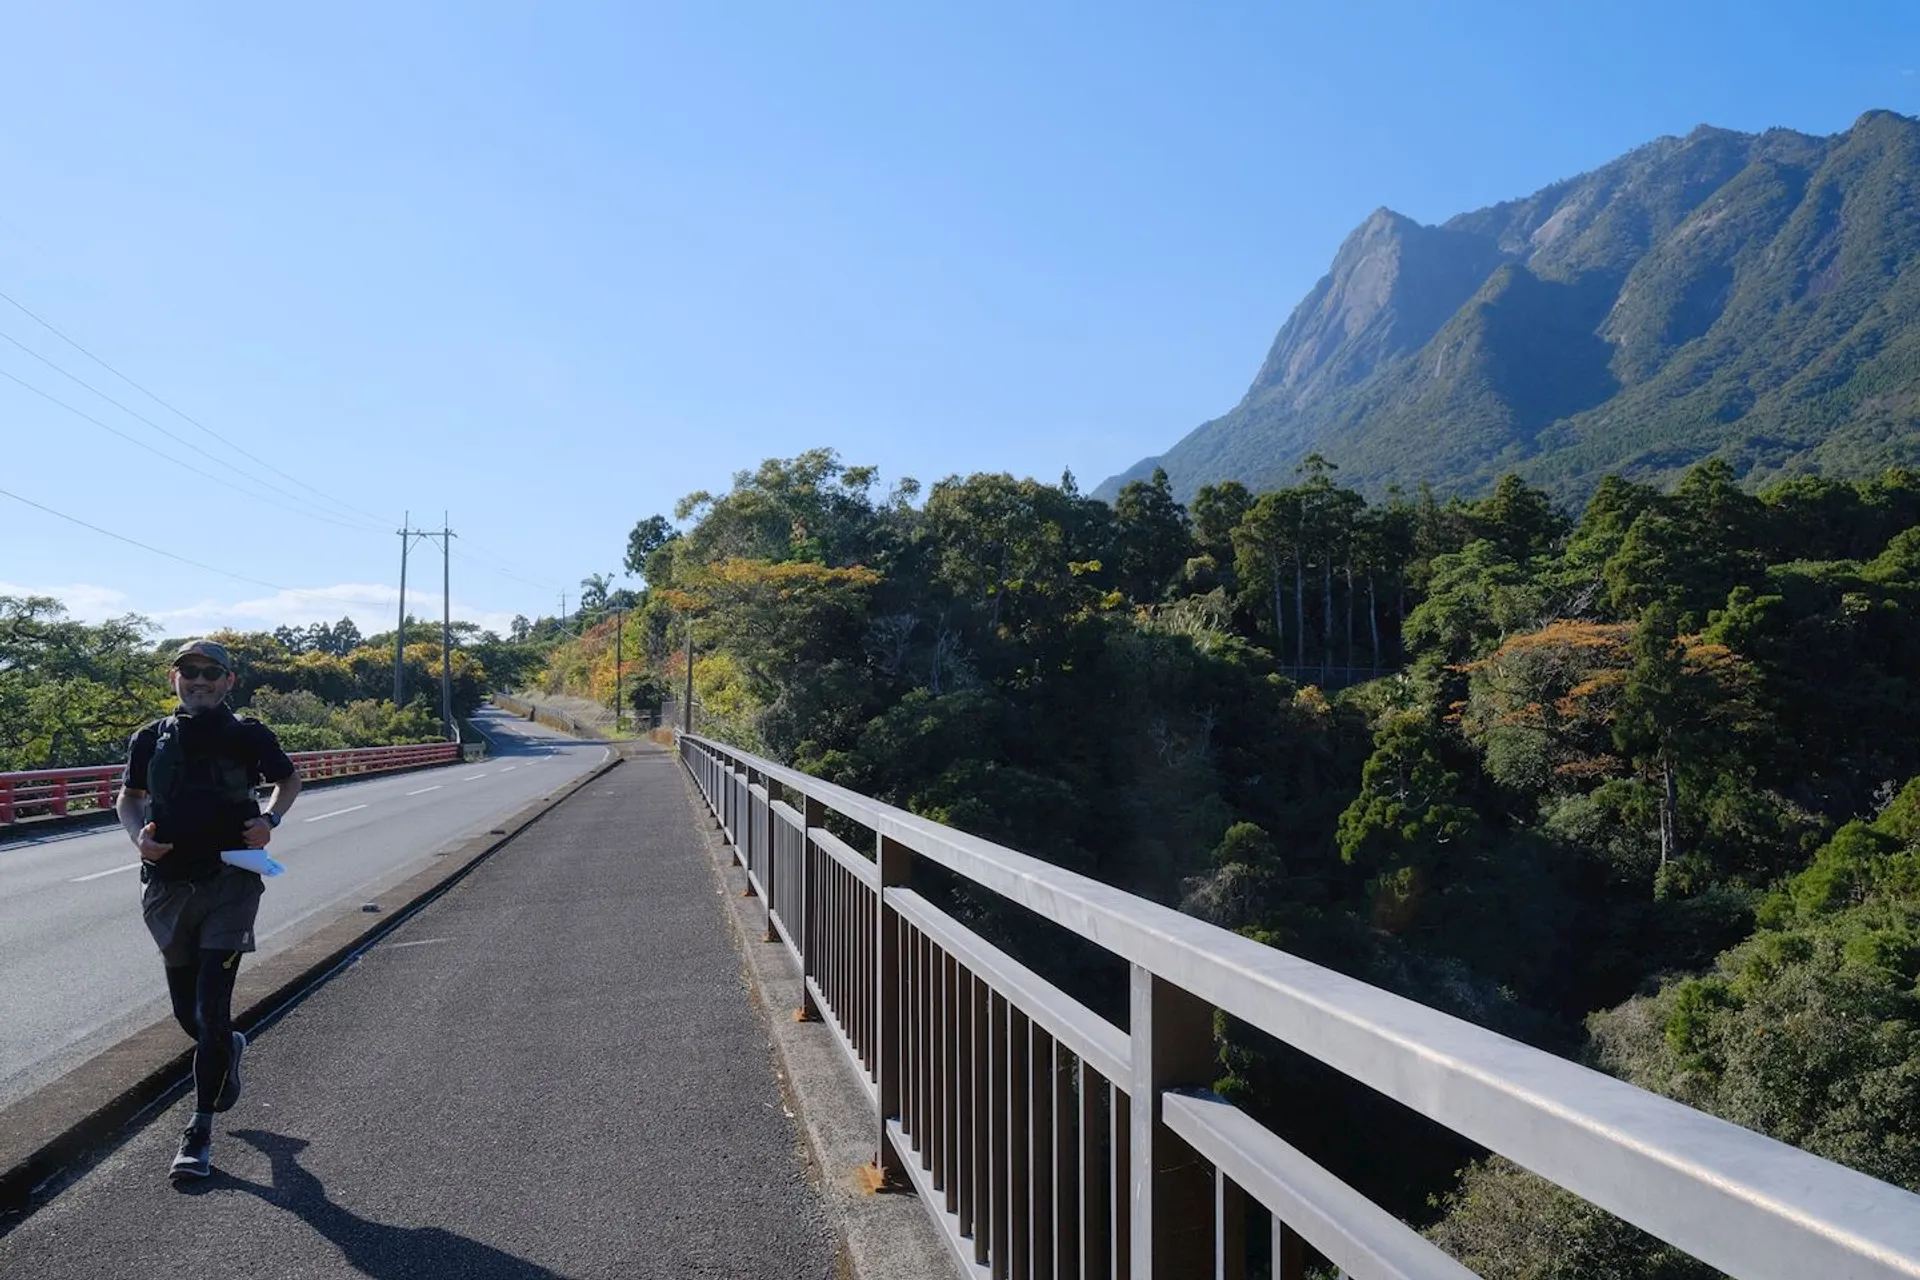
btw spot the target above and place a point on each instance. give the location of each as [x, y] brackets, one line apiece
[160, 453]
[494, 566]
[503, 566]
[505, 573]
[225, 573]
[305, 506]
[182, 414]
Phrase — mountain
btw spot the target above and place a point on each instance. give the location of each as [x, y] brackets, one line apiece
[1750, 296]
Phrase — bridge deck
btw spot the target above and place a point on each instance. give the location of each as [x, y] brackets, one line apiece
[555, 1070]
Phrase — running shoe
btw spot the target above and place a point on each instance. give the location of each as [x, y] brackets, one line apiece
[196, 1154]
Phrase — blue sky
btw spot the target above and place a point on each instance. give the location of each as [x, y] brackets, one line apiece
[548, 267]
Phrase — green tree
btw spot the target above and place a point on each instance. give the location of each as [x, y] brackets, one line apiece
[1217, 512]
[1681, 706]
[1656, 716]
[593, 594]
[1616, 503]
[1521, 521]
[647, 537]
[1267, 555]
[1407, 828]
[1151, 537]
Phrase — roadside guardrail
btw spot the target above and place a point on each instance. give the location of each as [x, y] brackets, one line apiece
[58, 793]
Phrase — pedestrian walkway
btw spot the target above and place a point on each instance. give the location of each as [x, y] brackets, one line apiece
[553, 1071]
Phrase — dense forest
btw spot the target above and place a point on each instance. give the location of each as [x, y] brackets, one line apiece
[72, 692]
[1635, 784]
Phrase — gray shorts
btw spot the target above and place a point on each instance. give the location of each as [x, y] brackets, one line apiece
[186, 917]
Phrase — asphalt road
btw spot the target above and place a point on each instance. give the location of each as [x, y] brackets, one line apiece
[78, 970]
[555, 1070]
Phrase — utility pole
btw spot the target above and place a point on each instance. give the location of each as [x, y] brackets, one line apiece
[446, 628]
[686, 703]
[563, 611]
[400, 630]
[446, 536]
[619, 634]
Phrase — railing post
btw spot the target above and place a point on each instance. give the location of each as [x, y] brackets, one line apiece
[769, 833]
[731, 793]
[736, 787]
[6, 801]
[895, 863]
[1171, 1036]
[812, 814]
[744, 831]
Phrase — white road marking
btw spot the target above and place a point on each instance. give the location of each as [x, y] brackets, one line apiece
[470, 777]
[110, 871]
[422, 942]
[422, 791]
[322, 817]
[508, 768]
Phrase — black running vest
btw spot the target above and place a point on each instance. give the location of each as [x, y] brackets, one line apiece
[201, 783]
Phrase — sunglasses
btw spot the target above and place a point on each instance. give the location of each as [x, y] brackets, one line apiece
[190, 672]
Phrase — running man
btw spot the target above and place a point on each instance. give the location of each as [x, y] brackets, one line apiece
[188, 795]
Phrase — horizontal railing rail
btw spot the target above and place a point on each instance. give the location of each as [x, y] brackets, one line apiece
[1048, 1142]
[60, 792]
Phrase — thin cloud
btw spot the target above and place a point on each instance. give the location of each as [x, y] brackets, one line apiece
[372, 606]
[83, 601]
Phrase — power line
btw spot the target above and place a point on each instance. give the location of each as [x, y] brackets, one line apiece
[505, 567]
[306, 508]
[181, 413]
[225, 573]
[505, 573]
[49, 326]
[141, 444]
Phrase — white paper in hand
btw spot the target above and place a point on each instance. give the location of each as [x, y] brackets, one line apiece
[258, 861]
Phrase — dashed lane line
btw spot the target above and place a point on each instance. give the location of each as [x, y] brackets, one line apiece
[322, 817]
[422, 791]
[110, 871]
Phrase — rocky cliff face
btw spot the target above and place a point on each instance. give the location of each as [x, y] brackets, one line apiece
[1393, 284]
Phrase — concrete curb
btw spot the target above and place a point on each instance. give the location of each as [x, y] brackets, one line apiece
[884, 1235]
[51, 1129]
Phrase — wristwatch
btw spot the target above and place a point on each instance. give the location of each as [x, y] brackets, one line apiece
[273, 819]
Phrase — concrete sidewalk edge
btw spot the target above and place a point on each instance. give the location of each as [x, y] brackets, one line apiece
[883, 1235]
[48, 1131]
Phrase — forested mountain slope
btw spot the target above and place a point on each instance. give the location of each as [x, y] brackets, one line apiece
[1746, 297]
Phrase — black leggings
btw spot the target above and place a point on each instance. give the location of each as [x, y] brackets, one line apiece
[203, 1005]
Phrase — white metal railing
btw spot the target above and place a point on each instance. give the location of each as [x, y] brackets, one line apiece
[1048, 1142]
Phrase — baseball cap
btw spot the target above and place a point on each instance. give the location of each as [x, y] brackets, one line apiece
[205, 649]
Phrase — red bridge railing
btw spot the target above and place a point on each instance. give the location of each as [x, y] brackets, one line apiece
[58, 792]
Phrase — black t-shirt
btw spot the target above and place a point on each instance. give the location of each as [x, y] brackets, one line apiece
[202, 798]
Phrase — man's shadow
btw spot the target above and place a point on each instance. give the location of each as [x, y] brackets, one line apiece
[373, 1248]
